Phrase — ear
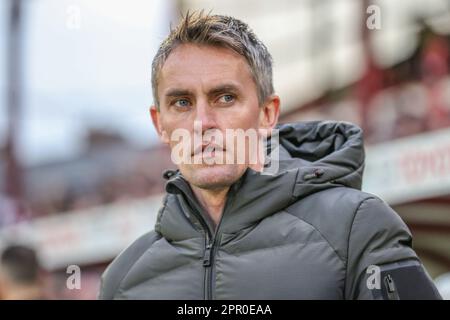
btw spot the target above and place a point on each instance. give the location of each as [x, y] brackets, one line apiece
[270, 111]
[156, 118]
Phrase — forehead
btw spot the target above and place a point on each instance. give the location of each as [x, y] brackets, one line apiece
[193, 66]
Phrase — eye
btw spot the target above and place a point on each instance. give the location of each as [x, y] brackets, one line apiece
[181, 103]
[226, 98]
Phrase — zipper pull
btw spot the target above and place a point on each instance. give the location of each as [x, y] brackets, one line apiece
[390, 286]
[207, 256]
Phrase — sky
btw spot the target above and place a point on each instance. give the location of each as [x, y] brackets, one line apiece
[86, 64]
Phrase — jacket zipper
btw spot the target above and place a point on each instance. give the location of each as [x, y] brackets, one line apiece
[210, 245]
[210, 251]
[207, 256]
[207, 265]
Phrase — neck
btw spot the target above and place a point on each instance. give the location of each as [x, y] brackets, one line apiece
[213, 201]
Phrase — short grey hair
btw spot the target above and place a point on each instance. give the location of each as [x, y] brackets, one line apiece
[222, 31]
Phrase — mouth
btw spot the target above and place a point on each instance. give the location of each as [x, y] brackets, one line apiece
[207, 150]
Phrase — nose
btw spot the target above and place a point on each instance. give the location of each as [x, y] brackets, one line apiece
[206, 116]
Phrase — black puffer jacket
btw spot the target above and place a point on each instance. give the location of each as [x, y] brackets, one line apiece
[306, 232]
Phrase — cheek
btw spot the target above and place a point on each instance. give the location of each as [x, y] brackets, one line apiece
[246, 119]
[243, 116]
[167, 128]
[177, 135]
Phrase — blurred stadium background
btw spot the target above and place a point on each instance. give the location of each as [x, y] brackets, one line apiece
[81, 166]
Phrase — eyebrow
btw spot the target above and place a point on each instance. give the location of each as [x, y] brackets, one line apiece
[176, 92]
[223, 88]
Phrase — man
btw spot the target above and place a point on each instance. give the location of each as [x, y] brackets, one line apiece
[20, 274]
[233, 230]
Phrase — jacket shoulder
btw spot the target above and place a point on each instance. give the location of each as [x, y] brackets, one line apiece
[119, 267]
[332, 213]
[366, 233]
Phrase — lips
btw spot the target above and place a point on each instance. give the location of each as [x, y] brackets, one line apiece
[207, 148]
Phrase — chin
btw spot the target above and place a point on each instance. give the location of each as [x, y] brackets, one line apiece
[213, 177]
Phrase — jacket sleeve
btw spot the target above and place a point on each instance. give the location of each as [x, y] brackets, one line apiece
[381, 262]
[118, 269]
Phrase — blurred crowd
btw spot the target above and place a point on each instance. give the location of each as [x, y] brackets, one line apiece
[406, 99]
[21, 277]
[110, 171]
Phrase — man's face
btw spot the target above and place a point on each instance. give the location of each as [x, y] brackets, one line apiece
[213, 86]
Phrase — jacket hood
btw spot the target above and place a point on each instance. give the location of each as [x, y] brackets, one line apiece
[313, 156]
[324, 152]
